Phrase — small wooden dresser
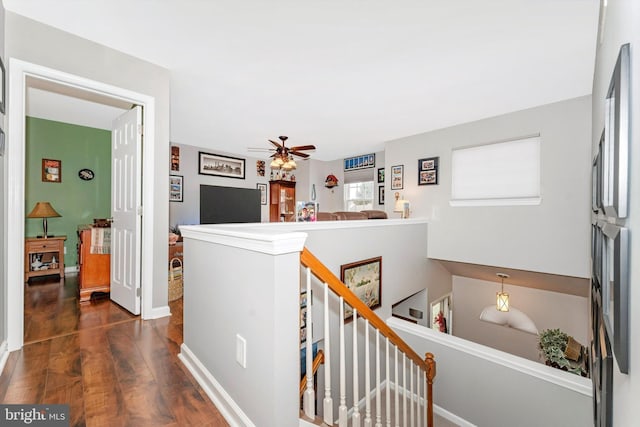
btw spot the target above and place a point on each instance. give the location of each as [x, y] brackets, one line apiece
[94, 270]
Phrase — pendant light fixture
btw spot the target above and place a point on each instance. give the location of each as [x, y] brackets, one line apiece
[502, 298]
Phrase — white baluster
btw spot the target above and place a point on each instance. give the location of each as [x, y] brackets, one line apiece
[404, 390]
[388, 388]
[378, 382]
[309, 397]
[418, 416]
[355, 416]
[328, 401]
[367, 376]
[397, 397]
[413, 421]
[342, 409]
[424, 399]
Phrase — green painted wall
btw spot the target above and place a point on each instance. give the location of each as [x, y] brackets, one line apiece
[78, 201]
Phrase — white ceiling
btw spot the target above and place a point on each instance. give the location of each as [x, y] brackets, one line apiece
[345, 75]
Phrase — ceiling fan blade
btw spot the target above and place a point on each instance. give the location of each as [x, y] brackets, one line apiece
[260, 149]
[276, 144]
[295, 153]
[303, 147]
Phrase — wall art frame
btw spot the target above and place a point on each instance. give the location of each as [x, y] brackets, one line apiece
[3, 78]
[175, 158]
[616, 139]
[363, 278]
[397, 177]
[219, 165]
[381, 194]
[615, 290]
[360, 162]
[2, 142]
[380, 175]
[263, 192]
[176, 188]
[601, 366]
[428, 171]
[51, 170]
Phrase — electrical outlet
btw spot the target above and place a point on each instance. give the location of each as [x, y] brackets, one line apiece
[241, 351]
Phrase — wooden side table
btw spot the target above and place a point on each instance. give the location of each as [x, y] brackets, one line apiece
[43, 257]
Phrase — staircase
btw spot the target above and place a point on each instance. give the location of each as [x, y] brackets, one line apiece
[397, 383]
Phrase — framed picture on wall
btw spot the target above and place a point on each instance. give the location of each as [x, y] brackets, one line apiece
[381, 194]
[380, 175]
[2, 87]
[428, 171]
[175, 188]
[219, 165]
[397, 177]
[363, 278]
[615, 161]
[51, 170]
[263, 193]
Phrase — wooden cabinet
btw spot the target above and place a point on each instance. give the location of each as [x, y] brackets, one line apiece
[43, 257]
[282, 196]
[94, 269]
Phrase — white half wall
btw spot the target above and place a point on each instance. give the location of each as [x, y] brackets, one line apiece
[552, 237]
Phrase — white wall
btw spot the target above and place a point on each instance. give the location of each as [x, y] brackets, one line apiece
[329, 199]
[548, 310]
[621, 26]
[43, 45]
[553, 237]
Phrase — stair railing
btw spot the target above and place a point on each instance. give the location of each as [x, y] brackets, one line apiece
[413, 393]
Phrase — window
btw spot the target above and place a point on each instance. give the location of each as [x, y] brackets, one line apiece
[504, 173]
[358, 196]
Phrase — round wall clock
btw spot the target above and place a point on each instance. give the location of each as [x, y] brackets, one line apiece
[86, 174]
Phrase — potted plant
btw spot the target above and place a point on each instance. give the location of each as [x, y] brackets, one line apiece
[553, 345]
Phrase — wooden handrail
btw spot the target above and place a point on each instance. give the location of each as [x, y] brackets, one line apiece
[325, 275]
[317, 361]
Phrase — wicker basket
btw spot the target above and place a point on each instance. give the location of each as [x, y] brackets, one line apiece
[175, 279]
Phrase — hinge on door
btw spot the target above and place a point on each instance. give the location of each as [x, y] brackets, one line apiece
[140, 210]
[138, 292]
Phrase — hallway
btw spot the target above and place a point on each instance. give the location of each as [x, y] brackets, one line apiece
[112, 368]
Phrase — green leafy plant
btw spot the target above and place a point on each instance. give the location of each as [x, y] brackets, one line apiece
[553, 344]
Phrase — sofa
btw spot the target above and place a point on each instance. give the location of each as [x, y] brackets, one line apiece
[347, 216]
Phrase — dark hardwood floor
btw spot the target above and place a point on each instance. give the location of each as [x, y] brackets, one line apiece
[112, 368]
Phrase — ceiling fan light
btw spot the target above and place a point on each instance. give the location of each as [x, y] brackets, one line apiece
[274, 164]
[292, 163]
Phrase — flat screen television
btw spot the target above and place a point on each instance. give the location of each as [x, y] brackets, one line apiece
[224, 205]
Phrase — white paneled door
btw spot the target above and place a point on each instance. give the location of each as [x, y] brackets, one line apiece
[126, 209]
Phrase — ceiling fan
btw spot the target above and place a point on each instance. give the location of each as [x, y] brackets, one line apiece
[283, 155]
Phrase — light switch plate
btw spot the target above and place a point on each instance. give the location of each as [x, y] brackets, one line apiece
[241, 351]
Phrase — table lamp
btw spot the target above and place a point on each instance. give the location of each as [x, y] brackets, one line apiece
[43, 210]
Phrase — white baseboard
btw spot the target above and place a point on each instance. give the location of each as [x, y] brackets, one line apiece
[451, 417]
[158, 312]
[4, 355]
[225, 404]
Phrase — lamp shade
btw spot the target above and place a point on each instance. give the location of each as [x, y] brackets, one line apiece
[43, 210]
[502, 301]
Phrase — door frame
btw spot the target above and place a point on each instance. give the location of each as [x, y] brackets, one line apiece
[15, 151]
